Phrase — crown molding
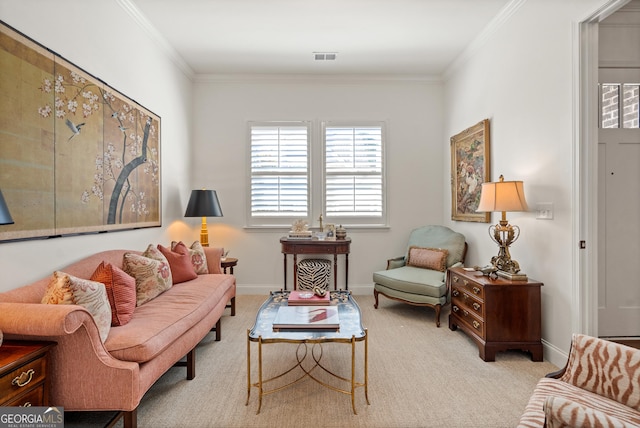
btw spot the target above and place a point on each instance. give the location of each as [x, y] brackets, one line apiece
[503, 16]
[316, 78]
[142, 21]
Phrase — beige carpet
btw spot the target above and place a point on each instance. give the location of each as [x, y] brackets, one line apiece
[419, 376]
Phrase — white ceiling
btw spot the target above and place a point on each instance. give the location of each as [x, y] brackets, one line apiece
[382, 37]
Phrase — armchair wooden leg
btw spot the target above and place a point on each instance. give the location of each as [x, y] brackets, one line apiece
[437, 308]
[375, 294]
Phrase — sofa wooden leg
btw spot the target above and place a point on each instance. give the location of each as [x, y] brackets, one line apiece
[191, 364]
[218, 330]
[130, 419]
[233, 306]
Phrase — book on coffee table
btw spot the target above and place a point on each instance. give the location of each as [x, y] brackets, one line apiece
[306, 318]
[308, 298]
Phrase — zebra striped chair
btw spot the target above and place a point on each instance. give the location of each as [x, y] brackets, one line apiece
[599, 387]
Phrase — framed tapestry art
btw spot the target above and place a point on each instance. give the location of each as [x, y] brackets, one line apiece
[470, 167]
[76, 156]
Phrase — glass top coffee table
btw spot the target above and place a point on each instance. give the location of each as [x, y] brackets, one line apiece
[349, 332]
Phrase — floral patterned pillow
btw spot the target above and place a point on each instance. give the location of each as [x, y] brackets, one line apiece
[198, 257]
[151, 271]
[65, 289]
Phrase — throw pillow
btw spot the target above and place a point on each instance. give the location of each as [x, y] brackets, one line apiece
[180, 263]
[428, 258]
[65, 289]
[121, 291]
[198, 257]
[152, 274]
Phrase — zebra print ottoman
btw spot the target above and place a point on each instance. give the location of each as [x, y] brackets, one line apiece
[313, 273]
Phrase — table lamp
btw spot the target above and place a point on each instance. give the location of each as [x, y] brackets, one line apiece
[5, 215]
[503, 196]
[203, 203]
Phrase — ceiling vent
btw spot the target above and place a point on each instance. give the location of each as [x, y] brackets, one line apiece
[324, 56]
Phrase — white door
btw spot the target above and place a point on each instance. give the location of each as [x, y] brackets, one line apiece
[619, 224]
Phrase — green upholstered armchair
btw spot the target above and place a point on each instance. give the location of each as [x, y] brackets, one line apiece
[419, 277]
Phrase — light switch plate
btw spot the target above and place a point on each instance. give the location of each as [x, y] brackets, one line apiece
[544, 211]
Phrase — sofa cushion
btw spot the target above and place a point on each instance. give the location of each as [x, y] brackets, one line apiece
[414, 280]
[152, 274]
[121, 291]
[198, 257]
[534, 415]
[562, 413]
[428, 258]
[157, 324]
[180, 263]
[65, 289]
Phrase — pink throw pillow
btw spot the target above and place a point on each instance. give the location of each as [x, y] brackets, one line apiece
[180, 263]
[121, 292]
[198, 257]
[428, 258]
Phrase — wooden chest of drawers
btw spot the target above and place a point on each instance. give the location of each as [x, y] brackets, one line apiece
[498, 314]
[23, 373]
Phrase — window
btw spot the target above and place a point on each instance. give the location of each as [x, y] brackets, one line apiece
[353, 172]
[279, 172]
[619, 102]
[297, 175]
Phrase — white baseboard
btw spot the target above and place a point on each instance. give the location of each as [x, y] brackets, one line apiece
[554, 354]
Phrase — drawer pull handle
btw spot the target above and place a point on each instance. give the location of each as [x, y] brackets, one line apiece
[23, 379]
[456, 279]
[476, 324]
[455, 308]
[465, 282]
[27, 404]
[476, 306]
[455, 293]
[466, 313]
[476, 290]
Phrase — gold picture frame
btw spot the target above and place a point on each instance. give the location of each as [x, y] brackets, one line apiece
[470, 167]
[330, 231]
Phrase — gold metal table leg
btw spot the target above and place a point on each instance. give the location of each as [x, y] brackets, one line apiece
[248, 368]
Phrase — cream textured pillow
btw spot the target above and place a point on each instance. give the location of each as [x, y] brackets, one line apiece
[151, 271]
[428, 258]
[65, 289]
[198, 257]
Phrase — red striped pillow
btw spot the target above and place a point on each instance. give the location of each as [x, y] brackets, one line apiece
[121, 292]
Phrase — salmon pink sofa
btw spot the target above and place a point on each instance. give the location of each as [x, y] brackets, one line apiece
[88, 374]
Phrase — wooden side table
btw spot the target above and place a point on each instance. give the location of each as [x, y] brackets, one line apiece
[229, 262]
[498, 314]
[314, 246]
[24, 379]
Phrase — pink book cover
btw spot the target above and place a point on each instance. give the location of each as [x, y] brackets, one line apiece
[307, 298]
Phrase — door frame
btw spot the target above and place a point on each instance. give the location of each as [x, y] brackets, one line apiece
[585, 190]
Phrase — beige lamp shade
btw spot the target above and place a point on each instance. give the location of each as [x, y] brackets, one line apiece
[502, 196]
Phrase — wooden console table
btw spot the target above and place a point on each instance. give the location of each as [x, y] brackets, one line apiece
[314, 246]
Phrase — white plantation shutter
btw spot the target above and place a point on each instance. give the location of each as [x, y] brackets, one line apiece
[354, 180]
[280, 170]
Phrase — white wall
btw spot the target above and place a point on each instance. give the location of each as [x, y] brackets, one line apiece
[100, 37]
[413, 111]
[523, 79]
